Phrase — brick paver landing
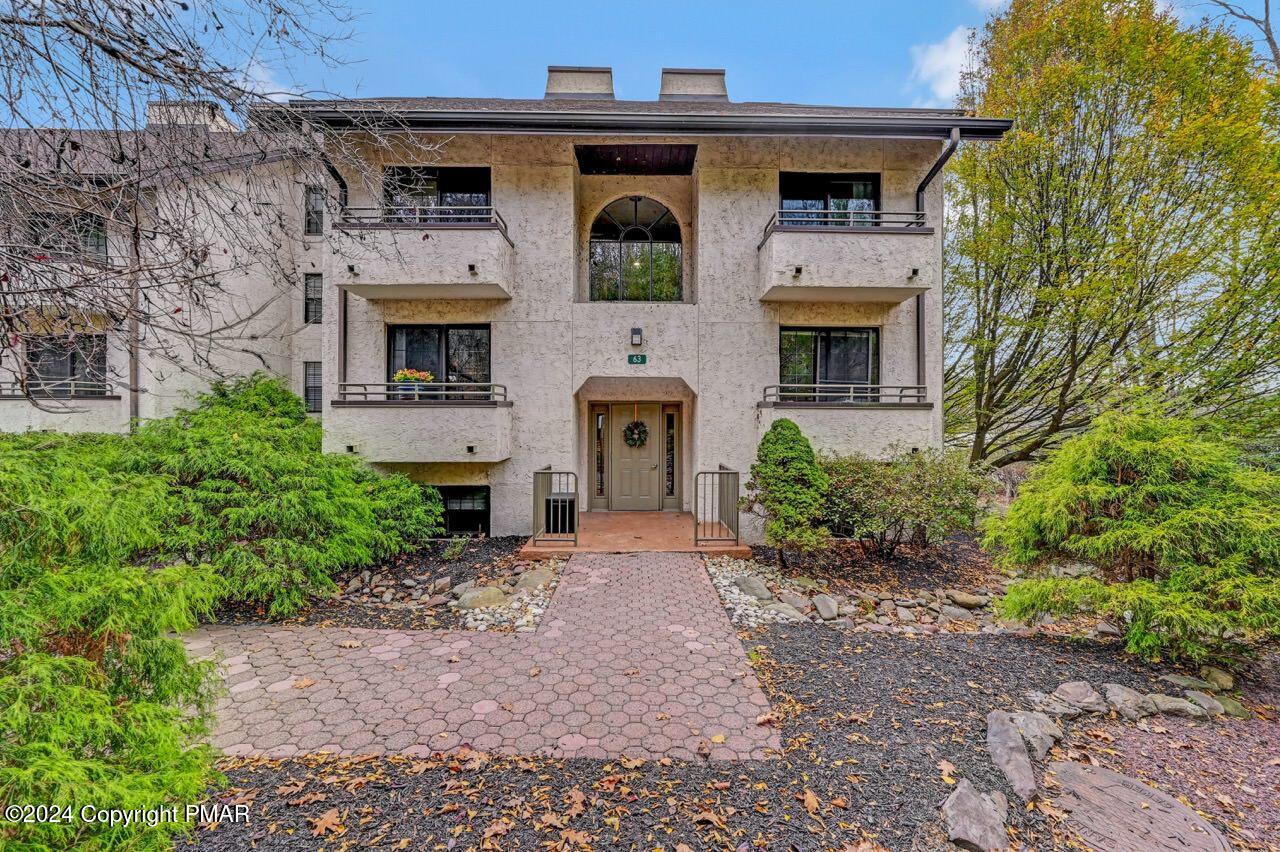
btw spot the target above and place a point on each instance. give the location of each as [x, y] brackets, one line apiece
[635, 656]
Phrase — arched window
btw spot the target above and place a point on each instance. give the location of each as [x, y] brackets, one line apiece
[635, 253]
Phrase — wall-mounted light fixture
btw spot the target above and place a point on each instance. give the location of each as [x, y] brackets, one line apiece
[637, 337]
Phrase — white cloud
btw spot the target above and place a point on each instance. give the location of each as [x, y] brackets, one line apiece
[261, 79]
[938, 66]
[989, 4]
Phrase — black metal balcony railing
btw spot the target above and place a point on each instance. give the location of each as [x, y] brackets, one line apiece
[892, 221]
[60, 389]
[846, 394]
[392, 216]
[427, 393]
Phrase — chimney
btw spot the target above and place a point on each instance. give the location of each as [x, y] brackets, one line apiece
[204, 114]
[693, 84]
[576, 81]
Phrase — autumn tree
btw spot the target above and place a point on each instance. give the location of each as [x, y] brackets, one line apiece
[1121, 241]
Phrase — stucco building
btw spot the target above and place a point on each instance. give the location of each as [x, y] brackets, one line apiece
[623, 294]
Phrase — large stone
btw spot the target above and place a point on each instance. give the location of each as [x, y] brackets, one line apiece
[1232, 707]
[480, 597]
[1171, 706]
[754, 586]
[905, 615]
[826, 606]
[1218, 677]
[1129, 703]
[535, 578]
[956, 613]
[976, 820]
[1038, 730]
[785, 609]
[1052, 706]
[968, 600]
[1080, 694]
[800, 602]
[461, 589]
[1205, 701]
[440, 585]
[1009, 753]
[1188, 682]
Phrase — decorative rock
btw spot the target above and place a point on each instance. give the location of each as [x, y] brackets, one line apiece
[785, 609]
[1188, 682]
[1077, 693]
[1009, 753]
[966, 599]
[1038, 730]
[482, 596]
[1234, 708]
[826, 606]
[905, 615]
[800, 602]
[440, 585]
[388, 596]
[976, 820]
[1071, 568]
[534, 578]
[458, 590]
[1219, 678]
[956, 613]
[353, 586]
[1129, 703]
[1106, 628]
[1171, 706]
[754, 586]
[1052, 706]
[1205, 701]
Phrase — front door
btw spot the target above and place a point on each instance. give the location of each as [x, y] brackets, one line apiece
[634, 479]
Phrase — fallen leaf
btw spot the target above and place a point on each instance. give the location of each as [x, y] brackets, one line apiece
[718, 738]
[327, 823]
[710, 818]
[767, 718]
[291, 788]
[948, 769]
[535, 671]
[811, 801]
[303, 683]
[632, 762]
[350, 643]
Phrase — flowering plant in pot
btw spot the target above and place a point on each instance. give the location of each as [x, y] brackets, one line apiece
[413, 381]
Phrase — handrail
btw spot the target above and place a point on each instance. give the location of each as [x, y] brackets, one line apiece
[829, 393]
[715, 506]
[59, 388]
[556, 512]
[425, 392]
[843, 221]
[53, 254]
[400, 216]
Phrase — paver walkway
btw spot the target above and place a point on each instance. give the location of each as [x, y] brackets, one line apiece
[635, 655]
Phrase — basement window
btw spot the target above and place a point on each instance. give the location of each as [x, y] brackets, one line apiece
[466, 509]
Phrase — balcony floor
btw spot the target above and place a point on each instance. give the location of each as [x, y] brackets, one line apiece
[629, 532]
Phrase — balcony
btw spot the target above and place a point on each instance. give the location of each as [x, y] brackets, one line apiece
[415, 422]
[424, 253]
[854, 418]
[72, 405]
[846, 256]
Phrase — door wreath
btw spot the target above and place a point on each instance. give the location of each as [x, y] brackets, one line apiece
[635, 433]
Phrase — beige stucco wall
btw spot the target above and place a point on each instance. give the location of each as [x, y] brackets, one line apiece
[421, 433]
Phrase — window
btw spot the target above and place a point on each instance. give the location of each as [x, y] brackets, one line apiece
[313, 218]
[828, 200]
[67, 365]
[635, 253]
[431, 194]
[82, 235]
[466, 509]
[669, 453]
[813, 357]
[312, 385]
[601, 417]
[451, 353]
[312, 297]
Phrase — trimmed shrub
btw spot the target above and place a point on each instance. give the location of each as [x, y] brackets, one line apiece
[1186, 536]
[921, 497]
[787, 488]
[109, 545]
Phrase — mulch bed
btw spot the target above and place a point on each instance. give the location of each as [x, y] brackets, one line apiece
[482, 559]
[956, 563]
[871, 724]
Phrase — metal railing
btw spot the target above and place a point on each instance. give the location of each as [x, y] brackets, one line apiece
[66, 388]
[843, 220]
[555, 507]
[423, 217]
[424, 392]
[715, 506]
[846, 394]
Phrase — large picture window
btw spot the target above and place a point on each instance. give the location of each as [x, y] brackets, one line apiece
[811, 358]
[436, 194]
[828, 200]
[451, 353]
[67, 365]
[635, 253]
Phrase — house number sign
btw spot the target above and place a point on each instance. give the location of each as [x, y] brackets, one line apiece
[637, 359]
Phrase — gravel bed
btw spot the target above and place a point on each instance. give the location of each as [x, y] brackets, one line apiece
[866, 725]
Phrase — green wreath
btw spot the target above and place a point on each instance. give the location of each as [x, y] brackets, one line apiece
[635, 433]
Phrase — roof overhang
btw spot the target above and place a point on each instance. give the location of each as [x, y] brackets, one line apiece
[912, 126]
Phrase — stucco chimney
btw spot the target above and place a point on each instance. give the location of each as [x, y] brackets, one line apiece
[693, 84]
[576, 81]
[189, 114]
